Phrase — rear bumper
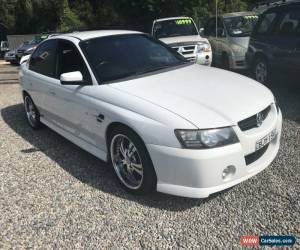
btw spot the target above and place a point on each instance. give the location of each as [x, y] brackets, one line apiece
[198, 173]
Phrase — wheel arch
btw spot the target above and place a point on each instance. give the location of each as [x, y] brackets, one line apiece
[259, 54]
[114, 125]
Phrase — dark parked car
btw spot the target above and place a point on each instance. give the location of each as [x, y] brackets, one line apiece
[275, 42]
[27, 47]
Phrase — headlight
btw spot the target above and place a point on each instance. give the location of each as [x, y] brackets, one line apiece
[238, 49]
[209, 138]
[203, 47]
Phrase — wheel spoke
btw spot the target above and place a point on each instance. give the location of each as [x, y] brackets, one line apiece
[122, 150]
[131, 150]
[137, 168]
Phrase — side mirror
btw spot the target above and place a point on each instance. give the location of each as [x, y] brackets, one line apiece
[72, 78]
[201, 32]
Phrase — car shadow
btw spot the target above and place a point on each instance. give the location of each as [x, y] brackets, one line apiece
[84, 166]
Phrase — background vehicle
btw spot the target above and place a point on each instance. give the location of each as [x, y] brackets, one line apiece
[182, 34]
[163, 123]
[28, 48]
[229, 38]
[275, 42]
[262, 6]
[10, 56]
[4, 47]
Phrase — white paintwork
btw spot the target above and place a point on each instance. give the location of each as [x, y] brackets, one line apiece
[154, 106]
[204, 58]
[75, 76]
[24, 59]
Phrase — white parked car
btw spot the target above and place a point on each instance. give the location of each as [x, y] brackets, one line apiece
[182, 35]
[161, 122]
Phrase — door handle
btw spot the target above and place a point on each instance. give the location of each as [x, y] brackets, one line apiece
[51, 92]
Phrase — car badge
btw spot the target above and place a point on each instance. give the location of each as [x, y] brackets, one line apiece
[259, 119]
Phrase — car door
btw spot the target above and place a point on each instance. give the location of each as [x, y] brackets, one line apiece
[41, 75]
[74, 110]
[283, 40]
[287, 37]
[263, 40]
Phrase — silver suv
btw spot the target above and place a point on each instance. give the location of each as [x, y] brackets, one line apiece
[229, 37]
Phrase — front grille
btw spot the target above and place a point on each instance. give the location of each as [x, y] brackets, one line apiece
[252, 122]
[185, 49]
[249, 159]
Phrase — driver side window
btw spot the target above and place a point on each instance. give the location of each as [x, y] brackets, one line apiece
[70, 60]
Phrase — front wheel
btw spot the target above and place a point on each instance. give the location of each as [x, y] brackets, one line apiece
[261, 70]
[131, 162]
[32, 113]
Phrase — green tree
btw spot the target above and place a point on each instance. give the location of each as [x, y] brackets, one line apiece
[68, 20]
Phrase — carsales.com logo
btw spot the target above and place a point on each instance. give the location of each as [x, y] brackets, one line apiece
[255, 241]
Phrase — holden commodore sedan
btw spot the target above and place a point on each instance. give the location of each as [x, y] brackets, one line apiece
[161, 122]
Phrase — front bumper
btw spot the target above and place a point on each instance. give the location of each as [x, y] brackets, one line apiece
[198, 173]
[238, 62]
[9, 58]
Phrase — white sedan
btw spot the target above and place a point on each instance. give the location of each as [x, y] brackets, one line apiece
[161, 122]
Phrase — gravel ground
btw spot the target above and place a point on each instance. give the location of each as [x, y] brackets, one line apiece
[55, 195]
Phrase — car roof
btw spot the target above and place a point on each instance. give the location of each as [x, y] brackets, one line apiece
[285, 5]
[236, 14]
[172, 18]
[86, 35]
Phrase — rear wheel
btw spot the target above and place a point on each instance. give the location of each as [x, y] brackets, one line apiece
[32, 113]
[261, 70]
[131, 161]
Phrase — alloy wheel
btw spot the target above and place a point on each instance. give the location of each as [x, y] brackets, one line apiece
[31, 111]
[127, 162]
[261, 72]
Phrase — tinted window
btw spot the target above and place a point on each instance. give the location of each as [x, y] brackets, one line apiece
[176, 27]
[210, 27]
[43, 59]
[121, 56]
[266, 23]
[70, 60]
[290, 24]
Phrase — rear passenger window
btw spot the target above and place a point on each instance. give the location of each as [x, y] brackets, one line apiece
[266, 23]
[290, 24]
[43, 59]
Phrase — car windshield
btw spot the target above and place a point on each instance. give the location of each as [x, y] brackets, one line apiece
[120, 56]
[240, 25]
[176, 27]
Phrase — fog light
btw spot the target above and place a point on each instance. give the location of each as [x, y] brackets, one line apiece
[228, 172]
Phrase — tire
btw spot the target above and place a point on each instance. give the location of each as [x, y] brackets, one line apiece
[32, 113]
[225, 62]
[131, 161]
[261, 71]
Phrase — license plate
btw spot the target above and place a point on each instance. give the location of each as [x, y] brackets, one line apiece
[266, 140]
